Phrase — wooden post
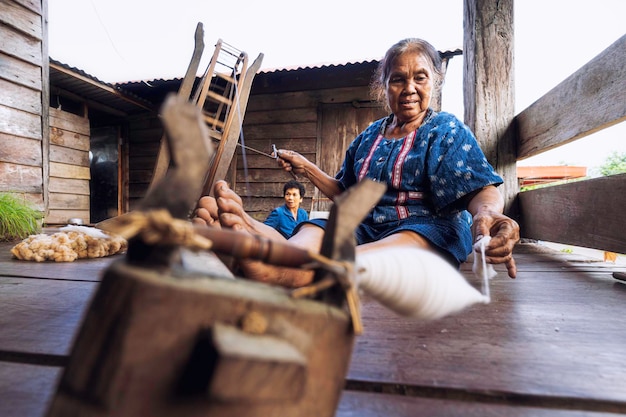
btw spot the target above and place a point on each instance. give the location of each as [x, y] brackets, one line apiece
[488, 85]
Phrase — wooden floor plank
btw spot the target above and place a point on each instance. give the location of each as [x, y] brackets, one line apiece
[41, 316]
[25, 390]
[557, 333]
[360, 404]
[554, 334]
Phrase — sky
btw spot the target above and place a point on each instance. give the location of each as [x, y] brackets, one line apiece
[130, 40]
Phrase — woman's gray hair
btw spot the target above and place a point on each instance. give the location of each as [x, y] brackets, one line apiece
[381, 76]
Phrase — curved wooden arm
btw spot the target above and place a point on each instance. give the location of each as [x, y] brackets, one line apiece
[242, 245]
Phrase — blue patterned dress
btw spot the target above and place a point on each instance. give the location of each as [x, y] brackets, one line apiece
[428, 173]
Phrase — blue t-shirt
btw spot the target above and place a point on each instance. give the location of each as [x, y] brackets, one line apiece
[282, 220]
[427, 173]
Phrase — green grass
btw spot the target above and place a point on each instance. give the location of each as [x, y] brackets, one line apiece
[17, 218]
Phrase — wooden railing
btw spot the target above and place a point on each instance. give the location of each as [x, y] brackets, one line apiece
[588, 213]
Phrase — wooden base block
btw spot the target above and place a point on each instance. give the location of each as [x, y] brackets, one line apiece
[160, 345]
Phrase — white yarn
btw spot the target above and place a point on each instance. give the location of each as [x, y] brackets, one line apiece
[90, 231]
[480, 267]
[415, 282]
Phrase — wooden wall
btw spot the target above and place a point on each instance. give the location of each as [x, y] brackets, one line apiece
[314, 111]
[23, 58]
[298, 121]
[290, 120]
[144, 136]
[69, 168]
[44, 153]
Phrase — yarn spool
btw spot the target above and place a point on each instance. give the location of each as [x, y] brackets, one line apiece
[415, 282]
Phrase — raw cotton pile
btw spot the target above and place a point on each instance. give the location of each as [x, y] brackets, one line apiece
[69, 244]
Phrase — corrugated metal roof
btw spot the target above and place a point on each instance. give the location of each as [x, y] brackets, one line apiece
[109, 98]
[160, 82]
[322, 65]
[123, 99]
[444, 54]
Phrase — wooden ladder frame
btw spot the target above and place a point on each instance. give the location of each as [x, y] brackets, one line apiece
[222, 93]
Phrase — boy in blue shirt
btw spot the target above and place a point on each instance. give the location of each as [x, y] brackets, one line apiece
[286, 217]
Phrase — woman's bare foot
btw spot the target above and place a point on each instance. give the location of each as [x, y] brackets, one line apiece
[207, 212]
[232, 215]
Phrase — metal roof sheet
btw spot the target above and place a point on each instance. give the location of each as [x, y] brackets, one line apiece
[132, 97]
[110, 98]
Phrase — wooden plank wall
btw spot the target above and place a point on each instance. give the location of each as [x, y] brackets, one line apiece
[289, 120]
[69, 168]
[21, 66]
[144, 135]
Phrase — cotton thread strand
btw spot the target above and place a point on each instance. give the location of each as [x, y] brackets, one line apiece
[481, 268]
[486, 291]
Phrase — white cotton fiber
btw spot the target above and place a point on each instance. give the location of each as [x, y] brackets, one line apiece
[480, 267]
[415, 282]
[89, 231]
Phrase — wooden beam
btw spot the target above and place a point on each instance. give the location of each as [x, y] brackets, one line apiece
[582, 213]
[589, 100]
[91, 103]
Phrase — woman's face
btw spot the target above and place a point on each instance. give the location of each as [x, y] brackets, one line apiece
[293, 198]
[409, 86]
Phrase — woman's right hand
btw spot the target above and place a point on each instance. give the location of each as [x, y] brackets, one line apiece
[292, 161]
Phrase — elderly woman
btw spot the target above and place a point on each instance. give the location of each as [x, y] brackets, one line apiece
[440, 186]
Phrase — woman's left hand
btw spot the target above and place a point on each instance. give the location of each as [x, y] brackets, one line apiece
[504, 233]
